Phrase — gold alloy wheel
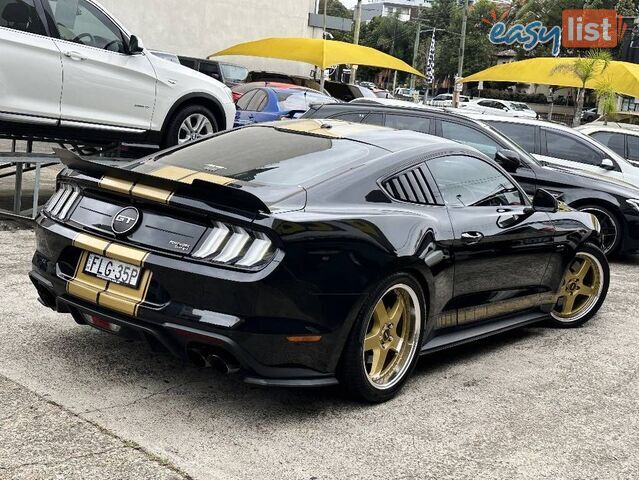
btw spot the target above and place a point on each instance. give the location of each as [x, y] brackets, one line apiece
[580, 289]
[391, 336]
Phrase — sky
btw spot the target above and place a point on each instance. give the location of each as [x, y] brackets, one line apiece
[349, 3]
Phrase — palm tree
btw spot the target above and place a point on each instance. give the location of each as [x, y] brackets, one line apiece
[606, 99]
[585, 69]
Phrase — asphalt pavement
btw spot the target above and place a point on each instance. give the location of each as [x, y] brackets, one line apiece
[538, 403]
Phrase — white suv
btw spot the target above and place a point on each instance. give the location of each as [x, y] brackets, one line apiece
[70, 71]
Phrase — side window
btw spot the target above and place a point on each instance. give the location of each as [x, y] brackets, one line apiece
[614, 141]
[470, 136]
[523, 135]
[633, 147]
[408, 122]
[566, 147]
[471, 182]
[210, 69]
[350, 117]
[485, 103]
[21, 15]
[80, 22]
[258, 102]
[245, 99]
[375, 119]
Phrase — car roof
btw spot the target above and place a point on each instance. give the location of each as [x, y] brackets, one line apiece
[521, 120]
[380, 137]
[610, 127]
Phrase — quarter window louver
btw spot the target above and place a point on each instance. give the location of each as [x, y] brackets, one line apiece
[410, 186]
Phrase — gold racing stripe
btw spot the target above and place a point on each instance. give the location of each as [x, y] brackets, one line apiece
[124, 299]
[86, 287]
[126, 254]
[119, 298]
[116, 185]
[90, 243]
[151, 193]
[208, 177]
[172, 173]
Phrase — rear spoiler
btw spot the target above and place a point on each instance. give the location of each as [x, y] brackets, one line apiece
[233, 195]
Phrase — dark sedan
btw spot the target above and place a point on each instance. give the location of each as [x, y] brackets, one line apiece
[588, 192]
[307, 253]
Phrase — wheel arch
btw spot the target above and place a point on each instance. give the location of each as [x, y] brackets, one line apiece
[603, 203]
[196, 98]
[419, 273]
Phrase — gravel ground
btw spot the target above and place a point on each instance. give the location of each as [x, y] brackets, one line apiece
[538, 403]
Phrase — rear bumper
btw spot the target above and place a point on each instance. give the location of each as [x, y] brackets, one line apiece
[251, 317]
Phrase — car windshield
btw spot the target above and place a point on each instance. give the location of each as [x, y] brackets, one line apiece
[516, 106]
[289, 100]
[234, 73]
[263, 154]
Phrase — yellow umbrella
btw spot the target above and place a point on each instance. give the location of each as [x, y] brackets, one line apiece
[318, 52]
[622, 76]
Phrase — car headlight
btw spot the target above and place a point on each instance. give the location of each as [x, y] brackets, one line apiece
[634, 203]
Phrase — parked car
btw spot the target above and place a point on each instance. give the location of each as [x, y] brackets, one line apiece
[379, 93]
[446, 100]
[614, 203]
[566, 147]
[405, 93]
[347, 92]
[169, 57]
[501, 108]
[112, 88]
[266, 104]
[621, 138]
[589, 115]
[242, 88]
[229, 74]
[307, 253]
[277, 77]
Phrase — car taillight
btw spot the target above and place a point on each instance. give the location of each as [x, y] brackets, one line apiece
[59, 205]
[235, 246]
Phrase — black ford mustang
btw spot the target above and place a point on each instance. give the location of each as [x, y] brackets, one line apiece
[313, 252]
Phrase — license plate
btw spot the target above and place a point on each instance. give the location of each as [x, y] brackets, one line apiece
[112, 270]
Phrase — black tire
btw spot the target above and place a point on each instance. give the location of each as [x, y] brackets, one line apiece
[591, 305]
[608, 221]
[172, 132]
[353, 371]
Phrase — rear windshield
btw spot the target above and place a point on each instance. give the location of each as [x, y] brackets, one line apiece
[267, 155]
[300, 100]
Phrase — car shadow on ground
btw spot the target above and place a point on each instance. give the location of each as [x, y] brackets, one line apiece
[99, 357]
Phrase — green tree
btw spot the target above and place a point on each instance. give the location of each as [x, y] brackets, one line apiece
[335, 8]
[606, 100]
[586, 68]
[627, 8]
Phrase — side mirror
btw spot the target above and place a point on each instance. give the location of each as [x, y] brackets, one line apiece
[508, 159]
[544, 201]
[135, 45]
[607, 164]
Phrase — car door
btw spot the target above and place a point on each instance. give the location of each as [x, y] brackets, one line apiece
[30, 65]
[248, 107]
[566, 150]
[103, 84]
[502, 247]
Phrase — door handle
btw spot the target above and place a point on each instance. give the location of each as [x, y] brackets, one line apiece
[470, 238]
[74, 56]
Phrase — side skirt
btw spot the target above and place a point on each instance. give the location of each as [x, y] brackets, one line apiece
[471, 334]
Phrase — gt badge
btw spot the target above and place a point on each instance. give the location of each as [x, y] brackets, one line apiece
[125, 220]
